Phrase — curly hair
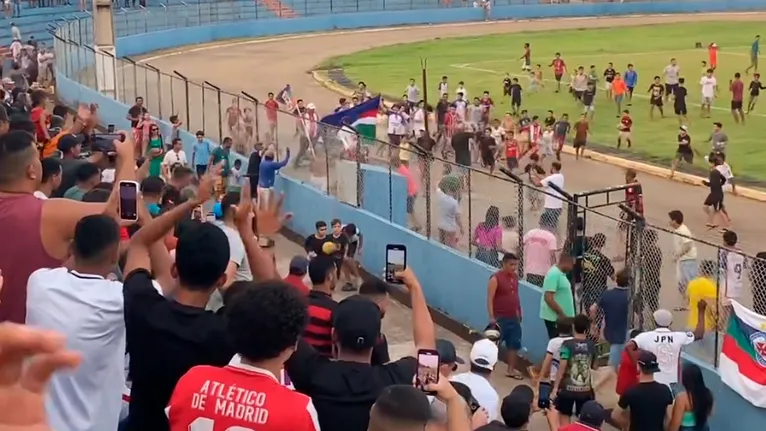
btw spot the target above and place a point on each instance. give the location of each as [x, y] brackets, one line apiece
[265, 319]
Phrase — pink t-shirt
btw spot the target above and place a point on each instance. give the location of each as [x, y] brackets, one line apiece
[412, 185]
[538, 247]
[488, 237]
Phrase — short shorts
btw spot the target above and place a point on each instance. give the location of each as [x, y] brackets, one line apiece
[671, 89]
[687, 157]
[736, 105]
[656, 102]
[558, 77]
[570, 403]
[715, 201]
[577, 143]
[707, 100]
[680, 109]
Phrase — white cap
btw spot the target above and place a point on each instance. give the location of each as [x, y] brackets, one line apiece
[663, 318]
[484, 354]
[311, 106]
[685, 128]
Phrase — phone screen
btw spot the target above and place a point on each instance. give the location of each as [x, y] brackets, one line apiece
[110, 128]
[128, 201]
[428, 368]
[396, 260]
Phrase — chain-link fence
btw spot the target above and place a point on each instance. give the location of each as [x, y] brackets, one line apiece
[477, 213]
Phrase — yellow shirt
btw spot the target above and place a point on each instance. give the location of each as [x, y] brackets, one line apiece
[702, 288]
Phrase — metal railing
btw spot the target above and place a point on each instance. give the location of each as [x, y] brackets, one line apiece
[477, 213]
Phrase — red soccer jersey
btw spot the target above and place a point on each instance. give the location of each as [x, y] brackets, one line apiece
[271, 110]
[627, 374]
[558, 66]
[511, 149]
[450, 122]
[712, 51]
[238, 397]
[634, 196]
[626, 123]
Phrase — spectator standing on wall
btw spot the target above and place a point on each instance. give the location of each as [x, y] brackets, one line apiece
[504, 309]
[539, 252]
[448, 219]
[557, 300]
[684, 254]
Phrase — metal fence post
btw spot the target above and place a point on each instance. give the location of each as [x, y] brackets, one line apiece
[94, 66]
[220, 113]
[135, 78]
[470, 213]
[186, 96]
[159, 88]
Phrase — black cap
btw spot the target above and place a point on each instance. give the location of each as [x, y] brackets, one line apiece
[69, 141]
[357, 323]
[447, 352]
[592, 413]
[647, 362]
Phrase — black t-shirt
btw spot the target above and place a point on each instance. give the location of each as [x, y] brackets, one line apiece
[314, 244]
[68, 176]
[254, 164]
[342, 244]
[165, 339]
[507, 84]
[343, 392]
[549, 121]
[680, 97]
[609, 74]
[487, 144]
[136, 111]
[656, 91]
[515, 91]
[380, 354]
[597, 268]
[716, 180]
[755, 88]
[461, 145]
[427, 143]
[647, 404]
[588, 96]
[441, 110]
[684, 144]
[529, 169]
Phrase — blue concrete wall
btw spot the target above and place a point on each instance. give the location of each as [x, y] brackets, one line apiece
[453, 283]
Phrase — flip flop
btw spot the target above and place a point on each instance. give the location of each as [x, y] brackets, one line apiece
[516, 375]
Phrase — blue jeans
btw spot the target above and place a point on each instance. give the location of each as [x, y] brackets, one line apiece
[687, 271]
[510, 330]
[615, 354]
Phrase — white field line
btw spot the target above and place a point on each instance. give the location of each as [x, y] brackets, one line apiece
[520, 75]
[628, 54]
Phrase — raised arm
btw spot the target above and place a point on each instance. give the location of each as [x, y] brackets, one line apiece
[423, 331]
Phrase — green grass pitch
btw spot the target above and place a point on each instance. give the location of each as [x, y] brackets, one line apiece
[483, 61]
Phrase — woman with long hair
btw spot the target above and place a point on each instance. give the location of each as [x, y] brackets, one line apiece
[155, 151]
[694, 404]
[488, 237]
[448, 220]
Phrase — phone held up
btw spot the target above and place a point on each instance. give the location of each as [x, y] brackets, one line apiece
[128, 192]
[396, 260]
[428, 369]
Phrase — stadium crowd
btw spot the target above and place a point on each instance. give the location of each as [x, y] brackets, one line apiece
[111, 322]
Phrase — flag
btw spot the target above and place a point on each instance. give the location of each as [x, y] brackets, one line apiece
[363, 118]
[285, 97]
[742, 363]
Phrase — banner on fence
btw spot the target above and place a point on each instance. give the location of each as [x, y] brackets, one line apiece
[742, 362]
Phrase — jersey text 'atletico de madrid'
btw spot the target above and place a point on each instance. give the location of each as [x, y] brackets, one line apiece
[238, 397]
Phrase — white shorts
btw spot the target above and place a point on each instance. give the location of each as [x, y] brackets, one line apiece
[589, 108]
[707, 100]
[607, 86]
[546, 149]
[264, 194]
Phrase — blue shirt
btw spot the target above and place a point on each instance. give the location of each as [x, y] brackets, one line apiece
[755, 49]
[267, 172]
[201, 154]
[614, 304]
[631, 78]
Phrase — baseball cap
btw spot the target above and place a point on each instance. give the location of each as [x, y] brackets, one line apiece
[647, 362]
[447, 352]
[311, 106]
[663, 318]
[684, 128]
[484, 354]
[592, 413]
[357, 323]
[299, 265]
[69, 141]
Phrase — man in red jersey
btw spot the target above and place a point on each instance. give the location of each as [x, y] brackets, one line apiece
[272, 110]
[626, 123]
[264, 324]
[634, 199]
[559, 69]
[737, 88]
[712, 52]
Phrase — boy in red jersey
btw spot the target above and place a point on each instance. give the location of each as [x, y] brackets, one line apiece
[559, 69]
[264, 324]
[511, 151]
[626, 123]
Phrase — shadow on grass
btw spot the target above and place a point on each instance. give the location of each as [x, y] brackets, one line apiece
[336, 73]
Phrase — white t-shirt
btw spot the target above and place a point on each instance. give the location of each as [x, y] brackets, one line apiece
[510, 241]
[666, 345]
[462, 89]
[551, 201]
[348, 137]
[671, 74]
[447, 211]
[172, 158]
[89, 311]
[539, 244]
[108, 175]
[460, 107]
[482, 390]
[554, 349]
[679, 241]
[708, 86]
[237, 253]
[732, 264]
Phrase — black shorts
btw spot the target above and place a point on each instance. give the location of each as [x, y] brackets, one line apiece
[630, 90]
[687, 157]
[410, 204]
[395, 139]
[680, 110]
[551, 327]
[558, 77]
[351, 250]
[338, 266]
[201, 169]
[488, 158]
[714, 200]
[736, 106]
[656, 102]
[577, 143]
[570, 403]
[578, 94]
[515, 102]
[512, 163]
[670, 89]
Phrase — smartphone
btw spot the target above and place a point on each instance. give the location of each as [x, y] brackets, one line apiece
[128, 200]
[396, 260]
[428, 369]
[110, 128]
[544, 395]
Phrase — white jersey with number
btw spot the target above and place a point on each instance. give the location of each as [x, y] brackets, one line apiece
[666, 345]
[732, 264]
[554, 349]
